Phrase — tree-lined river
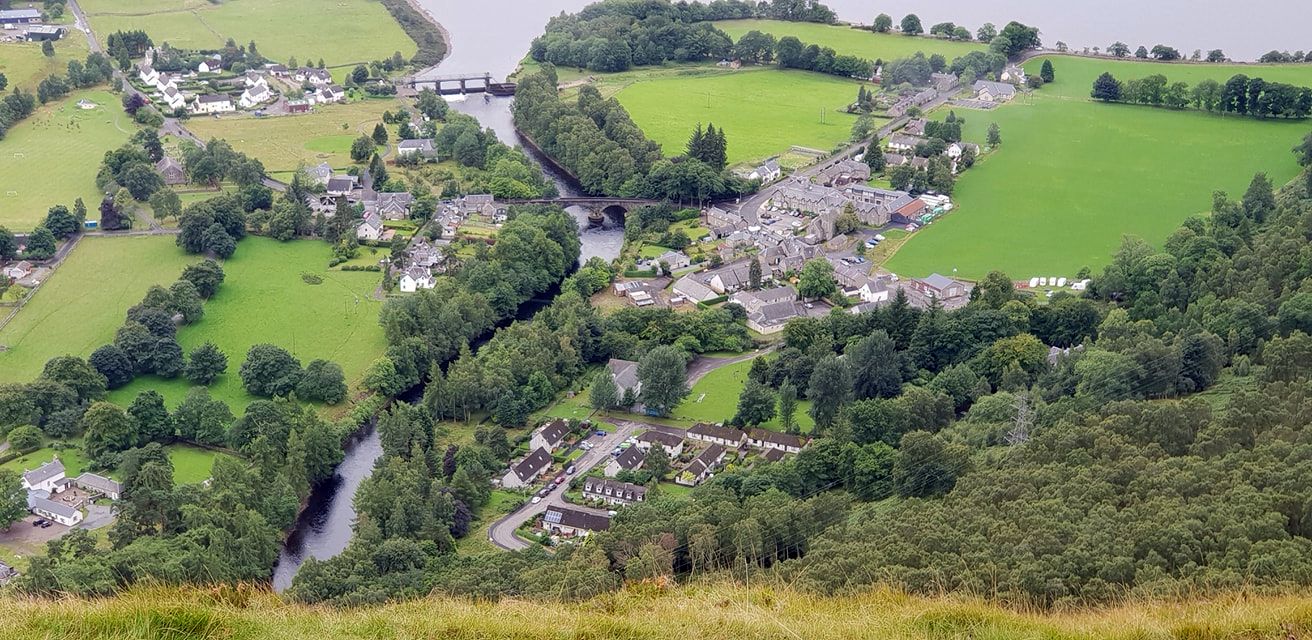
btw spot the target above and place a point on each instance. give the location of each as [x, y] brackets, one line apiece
[492, 36]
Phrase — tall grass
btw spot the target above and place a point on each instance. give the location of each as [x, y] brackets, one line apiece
[715, 610]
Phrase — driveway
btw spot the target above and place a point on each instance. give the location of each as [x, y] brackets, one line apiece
[502, 532]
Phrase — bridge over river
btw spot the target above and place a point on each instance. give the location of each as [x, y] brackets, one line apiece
[598, 207]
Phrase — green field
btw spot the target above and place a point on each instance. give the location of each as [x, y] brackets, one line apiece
[715, 399]
[1075, 74]
[191, 464]
[86, 300]
[264, 299]
[1073, 176]
[283, 143]
[340, 32]
[763, 111]
[52, 157]
[25, 65]
[847, 41]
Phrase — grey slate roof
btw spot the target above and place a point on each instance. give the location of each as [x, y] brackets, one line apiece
[532, 465]
[553, 432]
[625, 373]
[99, 483]
[631, 459]
[626, 491]
[44, 472]
[574, 518]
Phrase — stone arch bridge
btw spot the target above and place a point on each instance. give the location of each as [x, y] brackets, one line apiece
[598, 208]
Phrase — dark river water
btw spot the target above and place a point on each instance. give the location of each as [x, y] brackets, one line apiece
[492, 36]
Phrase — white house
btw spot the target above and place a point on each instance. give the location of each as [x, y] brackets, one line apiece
[320, 173]
[255, 95]
[549, 436]
[766, 439]
[701, 467]
[212, 64]
[613, 491]
[716, 434]
[672, 444]
[768, 171]
[422, 147]
[99, 484]
[630, 460]
[564, 521]
[253, 79]
[1013, 74]
[40, 504]
[164, 80]
[900, 142]
[47, 477]
[315, 77]
[213, 103]
[625, 375]
[524, 472]
[993, 91]
[371, 228]
[331, 93]
[416, 278]
[173, 98]
[147, 74]
[18, 270]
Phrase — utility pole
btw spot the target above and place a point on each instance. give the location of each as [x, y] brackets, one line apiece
[1020, 433]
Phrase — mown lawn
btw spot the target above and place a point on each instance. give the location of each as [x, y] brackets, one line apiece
[847, 41]
[284, 143]
[52, 157]
[715, 399]
[763, 111]
[1073, 176]
[86, 300]
[191, 464]
[265, 300]
[340, 32]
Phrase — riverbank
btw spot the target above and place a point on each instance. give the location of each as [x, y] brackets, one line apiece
[433, 40]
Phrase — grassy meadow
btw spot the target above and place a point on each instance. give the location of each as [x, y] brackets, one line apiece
[1075, 74]
[711, 609]
[265, 299]
[763, 111]
[848, 41]
[284, 143]
[52, 157]
[1073, 176]
[191, 464]
[341, 32]
[25, 65]
[85, 301]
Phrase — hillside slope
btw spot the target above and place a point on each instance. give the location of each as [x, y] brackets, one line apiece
[717, 611]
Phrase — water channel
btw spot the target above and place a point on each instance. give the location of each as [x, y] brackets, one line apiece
[493, 36]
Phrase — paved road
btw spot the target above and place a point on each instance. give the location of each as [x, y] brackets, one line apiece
[502, 532]
[702, 365]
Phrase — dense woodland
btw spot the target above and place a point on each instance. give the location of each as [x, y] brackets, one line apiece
[614, 36]
[595, 140]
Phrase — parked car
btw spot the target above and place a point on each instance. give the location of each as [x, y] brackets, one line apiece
[537, 499]
[38, 522]
[560, 479]
[542, 493]
[616, 451]
[570, 470]
[600, 434]
[46, 524]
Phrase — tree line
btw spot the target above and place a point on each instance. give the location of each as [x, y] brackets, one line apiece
[597, 141]
[1240, 95]
[615, 36]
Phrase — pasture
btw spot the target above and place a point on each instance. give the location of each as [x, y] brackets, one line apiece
[763, 111]
[52, 157]
[264, 299]
[341, 32]
[85, 301]
[283, 143]
[848, 41]
[1075, 74]
[1074, 176]
[25, 65]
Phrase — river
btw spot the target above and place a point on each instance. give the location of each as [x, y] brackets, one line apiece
[492, 36]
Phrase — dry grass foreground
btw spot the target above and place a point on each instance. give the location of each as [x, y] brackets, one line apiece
[714, 611]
